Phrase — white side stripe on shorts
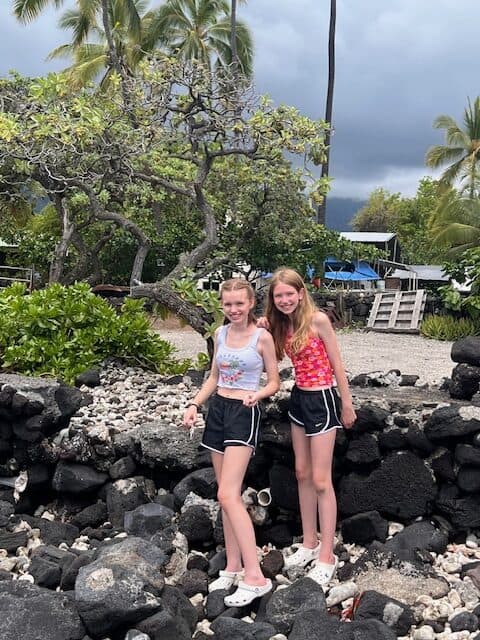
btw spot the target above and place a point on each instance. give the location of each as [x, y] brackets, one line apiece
[334, 405]
[254, 429]
[327, 426]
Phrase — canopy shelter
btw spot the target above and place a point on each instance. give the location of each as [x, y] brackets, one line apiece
[349, 272]
[387, 242]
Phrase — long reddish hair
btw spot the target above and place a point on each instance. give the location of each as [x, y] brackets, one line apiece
[301, 318]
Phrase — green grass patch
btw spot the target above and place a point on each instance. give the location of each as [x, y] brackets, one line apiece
[449, 328]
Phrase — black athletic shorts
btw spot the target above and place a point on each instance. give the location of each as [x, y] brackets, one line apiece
[316, 411]
[230, 423]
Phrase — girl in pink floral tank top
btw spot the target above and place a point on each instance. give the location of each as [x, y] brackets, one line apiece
[311, 364]
[308, 338]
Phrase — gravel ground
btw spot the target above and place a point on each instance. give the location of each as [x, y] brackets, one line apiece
[362, 351]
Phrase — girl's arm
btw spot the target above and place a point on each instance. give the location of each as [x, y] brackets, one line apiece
[208, 387]
[266, 349]
[323, 327]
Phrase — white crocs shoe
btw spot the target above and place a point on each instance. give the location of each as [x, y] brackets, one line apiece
[301, 557]
[226, 580]
[246, 594]
[323, 572]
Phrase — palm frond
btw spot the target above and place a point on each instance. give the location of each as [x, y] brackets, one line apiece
[208, 11]
[471, 119]
[132, 16]
[444, 122]
[452, 172]
[455, 235]
[455, 223]
[220, 35]
[161, 25]
[86, 20]
[28, 10]
[440, 154]
[63, 51]
[141, 6]
[90, 60]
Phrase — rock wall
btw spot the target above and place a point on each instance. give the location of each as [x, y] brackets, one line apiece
[412, 452]
[118, 510]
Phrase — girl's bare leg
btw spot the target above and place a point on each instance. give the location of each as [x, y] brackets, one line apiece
[234, 557]
[235, 462]
[307, 493]
[321, 447]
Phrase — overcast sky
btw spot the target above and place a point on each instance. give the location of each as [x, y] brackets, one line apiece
[400, 63]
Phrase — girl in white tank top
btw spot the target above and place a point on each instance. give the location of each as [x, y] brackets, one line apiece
[241, 353]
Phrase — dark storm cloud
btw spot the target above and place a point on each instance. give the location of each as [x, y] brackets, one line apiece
[399, 64]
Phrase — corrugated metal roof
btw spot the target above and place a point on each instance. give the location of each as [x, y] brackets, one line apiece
[431, 272]
[367, 236]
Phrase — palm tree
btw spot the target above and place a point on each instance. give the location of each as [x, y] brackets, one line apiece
[200, 30]
[233, 34]
[121, 33]
[322, 209]
[461, 149]
[455, 224]
[28, 10]
[90, 59]
[89, 15]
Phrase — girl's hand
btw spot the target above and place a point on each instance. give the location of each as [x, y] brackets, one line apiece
[263, 323]
[250, 400]
[348, 417]
[190, 416]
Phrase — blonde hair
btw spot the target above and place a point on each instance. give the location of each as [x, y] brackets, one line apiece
[240, 284]
[301, 318]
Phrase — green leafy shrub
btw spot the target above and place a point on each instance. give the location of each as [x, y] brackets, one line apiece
[448, 327]
[61, 331]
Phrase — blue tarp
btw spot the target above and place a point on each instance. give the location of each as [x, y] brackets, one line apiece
[349, 271]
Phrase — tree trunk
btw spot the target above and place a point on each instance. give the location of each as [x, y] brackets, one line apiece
[61, 248]
[139, 261]
[88, 266]
[322, 209]
[233, 37]
[144, 242]
[162, 293]
[117, 62]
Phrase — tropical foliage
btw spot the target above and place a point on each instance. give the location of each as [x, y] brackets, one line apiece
[465, 271]
[15, 213]
[200, 30]
[161, 165]
[460, 151]
[455, 223]
[379, 212]
[62, 331]
[116, 35]
[410, 218]
[89, 47]
[447, 327]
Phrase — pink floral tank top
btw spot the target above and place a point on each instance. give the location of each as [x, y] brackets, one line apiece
[311, 364]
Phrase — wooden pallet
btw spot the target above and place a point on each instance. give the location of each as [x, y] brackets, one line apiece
[397, 311]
